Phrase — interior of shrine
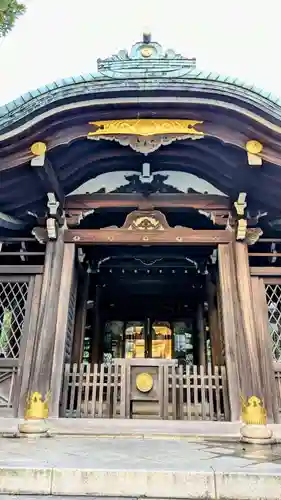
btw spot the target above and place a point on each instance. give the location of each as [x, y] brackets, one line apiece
[148, 302]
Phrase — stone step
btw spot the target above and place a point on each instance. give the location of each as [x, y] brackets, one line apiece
[138, 483]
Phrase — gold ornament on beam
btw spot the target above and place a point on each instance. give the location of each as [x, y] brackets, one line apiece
[38, 149]
[254, 149]
[145, 135]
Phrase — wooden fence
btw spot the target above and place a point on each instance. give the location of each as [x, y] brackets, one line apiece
[182, 393]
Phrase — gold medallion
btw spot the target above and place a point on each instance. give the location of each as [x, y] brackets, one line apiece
[144, 382]
[38, 148]
[254, 147]
[146, 51]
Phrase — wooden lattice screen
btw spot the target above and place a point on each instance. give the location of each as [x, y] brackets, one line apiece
[13, 310]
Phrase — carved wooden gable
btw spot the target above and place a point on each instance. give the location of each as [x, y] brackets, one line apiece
[146, 221]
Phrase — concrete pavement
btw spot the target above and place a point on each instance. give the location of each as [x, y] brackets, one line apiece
[127, 467]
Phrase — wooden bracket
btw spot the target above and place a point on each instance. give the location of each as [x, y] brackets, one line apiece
[254, 149]
[44, 170]
[240, 205]
[241, 229]
[52, 228]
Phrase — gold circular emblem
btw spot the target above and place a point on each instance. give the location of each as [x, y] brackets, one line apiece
[144, 382]
[38, 148]
[146, 51]
[254, 147]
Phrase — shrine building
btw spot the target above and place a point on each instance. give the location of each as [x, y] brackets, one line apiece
[140, 243]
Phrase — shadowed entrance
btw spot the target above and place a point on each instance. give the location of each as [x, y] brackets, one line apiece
[147, 348]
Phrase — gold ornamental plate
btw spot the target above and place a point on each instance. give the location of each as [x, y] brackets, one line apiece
[254, 147]
[144, 382]
[146, 51]
[38, 148]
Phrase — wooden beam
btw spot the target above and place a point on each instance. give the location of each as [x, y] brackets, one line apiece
[197, 201]
[67, 276]
[214, 327]
[26, 352]
[12, 269]
[265, 271]
[81, 316]
[229, 313]
[265, 254]
[270, 240]
[22, 253]
[46, 324]
[173, 236]
[49, 179]
[252, 372]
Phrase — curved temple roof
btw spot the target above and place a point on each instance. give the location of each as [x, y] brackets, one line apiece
[146, 68]
[147, 82]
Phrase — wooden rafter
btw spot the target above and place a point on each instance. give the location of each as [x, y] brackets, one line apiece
[49, 180]
[196, 201]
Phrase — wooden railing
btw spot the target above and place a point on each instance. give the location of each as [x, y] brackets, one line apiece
[195, 393]
[182, 392]
[97, 391]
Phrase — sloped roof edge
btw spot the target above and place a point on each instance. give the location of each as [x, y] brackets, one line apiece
[147, 62]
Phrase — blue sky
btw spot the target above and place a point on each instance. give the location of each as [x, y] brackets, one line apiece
[58, 38]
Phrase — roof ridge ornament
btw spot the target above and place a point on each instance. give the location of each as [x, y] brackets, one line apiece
[146, 59]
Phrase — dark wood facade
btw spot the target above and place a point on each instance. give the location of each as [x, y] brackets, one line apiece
[147, 249]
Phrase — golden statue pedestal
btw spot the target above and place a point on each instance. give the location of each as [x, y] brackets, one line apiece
[255, 429]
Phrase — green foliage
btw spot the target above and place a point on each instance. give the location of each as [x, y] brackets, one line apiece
[10, 10]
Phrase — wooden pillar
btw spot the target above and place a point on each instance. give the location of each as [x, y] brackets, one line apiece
[201, 335]
[264, 349]
[67, 276]
[81, 316]
[46, 326]
[26, 352]
[214, 327]
[96, 340]
[251, 370]
[229, 312]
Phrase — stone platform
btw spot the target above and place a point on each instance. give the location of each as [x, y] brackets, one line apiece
[152, 467]
[136, 428]
[165, 429]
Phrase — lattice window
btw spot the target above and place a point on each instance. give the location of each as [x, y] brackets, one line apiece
[273, 297]
[13, 297]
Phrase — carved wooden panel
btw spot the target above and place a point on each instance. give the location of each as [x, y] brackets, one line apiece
[146, 221]
[13, 300]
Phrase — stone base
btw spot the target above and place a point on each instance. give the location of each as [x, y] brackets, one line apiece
[256, 434]
[35, 428]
